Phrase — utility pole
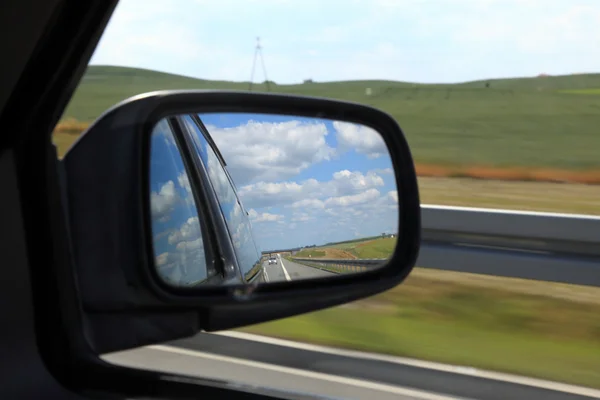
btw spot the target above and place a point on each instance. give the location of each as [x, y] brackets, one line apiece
[258, 51]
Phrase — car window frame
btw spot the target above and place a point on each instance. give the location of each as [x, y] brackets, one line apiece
[213, 145]
[216, 275]
[244, 275]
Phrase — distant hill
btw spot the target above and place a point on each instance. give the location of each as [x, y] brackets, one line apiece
[548, 82]
[103, 86]
[544, 121]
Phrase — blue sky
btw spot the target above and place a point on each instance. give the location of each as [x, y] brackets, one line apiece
[411, 40]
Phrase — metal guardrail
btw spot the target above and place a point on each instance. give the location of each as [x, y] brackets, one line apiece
[532, 245]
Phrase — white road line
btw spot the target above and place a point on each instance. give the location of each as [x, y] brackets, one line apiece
[287, 276]
[455, 369]
[420, 394]
[265, 274]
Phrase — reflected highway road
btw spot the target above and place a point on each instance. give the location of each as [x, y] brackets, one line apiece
[286, 270]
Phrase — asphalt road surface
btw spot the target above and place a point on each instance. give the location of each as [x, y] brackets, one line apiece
[286, 270]
[259, 362]
[250, 376]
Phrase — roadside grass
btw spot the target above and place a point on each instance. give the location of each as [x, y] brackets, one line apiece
[545, 330]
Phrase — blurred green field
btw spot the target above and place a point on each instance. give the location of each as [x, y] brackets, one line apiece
[528, 122]
[524, 327]
[538, 329]
[595, 91]
[545, 330]
[530, 196]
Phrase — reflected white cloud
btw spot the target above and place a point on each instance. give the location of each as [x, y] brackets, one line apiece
[360, 138]
[307, 193]
[163, 202]
[271, 151]
[354, 199]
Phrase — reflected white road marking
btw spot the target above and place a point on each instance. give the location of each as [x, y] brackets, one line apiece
[287, 276]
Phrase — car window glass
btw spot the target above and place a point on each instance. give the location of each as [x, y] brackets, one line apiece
[236, 217]
[177, 236]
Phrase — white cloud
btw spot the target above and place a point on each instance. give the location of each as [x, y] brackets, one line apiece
[188, 231]
[163, 201]
[186, 263]
[184, 182]
[347, 181]
[242, 237]
[360, 138]
[353, 199]
[308, 203]
[309, 192]
[271, 151]
[313, 221]
[438, 41]
[264, 217]
[190, 245]
[162, 259]
[216, 172]
[302, 217]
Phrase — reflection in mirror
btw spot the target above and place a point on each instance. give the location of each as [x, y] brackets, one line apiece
[178, 246]
[302, 198]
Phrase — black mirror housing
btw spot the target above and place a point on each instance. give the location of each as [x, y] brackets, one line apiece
[124, 303]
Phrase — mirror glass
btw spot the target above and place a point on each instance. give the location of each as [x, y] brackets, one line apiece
[282, 197]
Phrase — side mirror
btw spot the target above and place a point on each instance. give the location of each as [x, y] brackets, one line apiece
[210, 210]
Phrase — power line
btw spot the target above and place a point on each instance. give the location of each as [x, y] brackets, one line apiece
[257, 51]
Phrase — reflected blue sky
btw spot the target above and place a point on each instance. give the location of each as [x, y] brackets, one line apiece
[307, 181]
[178, 243]
[301, 181]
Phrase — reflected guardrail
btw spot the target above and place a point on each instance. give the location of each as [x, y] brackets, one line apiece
[340, 265]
